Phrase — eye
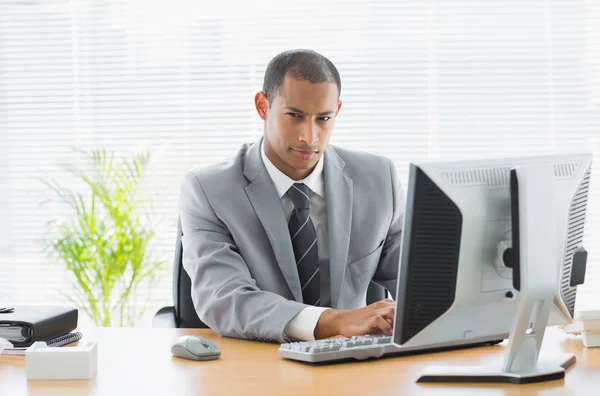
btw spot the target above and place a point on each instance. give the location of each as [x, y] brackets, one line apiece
[324, 118]
[294, 115]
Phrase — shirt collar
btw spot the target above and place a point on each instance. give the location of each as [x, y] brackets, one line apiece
[315, 181]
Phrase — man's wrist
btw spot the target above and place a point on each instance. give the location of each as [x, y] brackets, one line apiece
[329, 324]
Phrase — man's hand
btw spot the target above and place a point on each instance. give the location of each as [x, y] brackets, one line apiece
[376, 318]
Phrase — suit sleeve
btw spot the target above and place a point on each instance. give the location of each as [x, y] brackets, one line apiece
[224, 293]
[387, 271]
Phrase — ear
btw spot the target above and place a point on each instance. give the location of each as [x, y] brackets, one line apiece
[262, 104]
[339, 106]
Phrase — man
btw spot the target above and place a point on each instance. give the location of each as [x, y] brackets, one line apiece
[282, 241]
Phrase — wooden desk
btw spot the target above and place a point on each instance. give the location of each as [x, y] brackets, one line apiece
[138, 362]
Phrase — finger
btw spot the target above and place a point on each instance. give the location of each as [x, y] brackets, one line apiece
[385, 326]
[387, 313]
[379, 323]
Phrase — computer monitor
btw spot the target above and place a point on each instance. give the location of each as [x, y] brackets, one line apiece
[477, 234]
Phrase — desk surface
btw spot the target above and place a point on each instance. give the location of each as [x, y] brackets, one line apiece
[138, 362]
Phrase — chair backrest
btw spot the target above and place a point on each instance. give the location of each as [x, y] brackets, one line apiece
[185, 313]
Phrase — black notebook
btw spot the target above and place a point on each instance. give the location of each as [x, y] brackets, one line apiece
[26, 324]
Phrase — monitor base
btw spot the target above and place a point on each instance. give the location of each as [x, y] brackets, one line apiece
[548, 368]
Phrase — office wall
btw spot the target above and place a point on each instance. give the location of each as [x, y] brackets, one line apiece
[422, 80]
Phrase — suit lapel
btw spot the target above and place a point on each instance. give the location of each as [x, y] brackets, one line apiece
[339, 192]
[267, 205]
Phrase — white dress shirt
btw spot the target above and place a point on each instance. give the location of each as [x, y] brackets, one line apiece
[302, 326]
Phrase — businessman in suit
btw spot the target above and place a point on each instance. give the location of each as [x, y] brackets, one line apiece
[282, 241]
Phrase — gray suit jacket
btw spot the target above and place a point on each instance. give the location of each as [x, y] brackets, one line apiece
[238, 252]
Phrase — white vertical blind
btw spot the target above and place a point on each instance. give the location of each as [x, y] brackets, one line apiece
[421, 80]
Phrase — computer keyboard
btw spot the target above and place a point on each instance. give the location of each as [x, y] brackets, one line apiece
[358, 348]
[365, 347]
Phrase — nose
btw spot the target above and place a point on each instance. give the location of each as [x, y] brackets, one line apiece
[309, 134]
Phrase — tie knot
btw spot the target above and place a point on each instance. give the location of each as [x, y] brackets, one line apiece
[299, 195]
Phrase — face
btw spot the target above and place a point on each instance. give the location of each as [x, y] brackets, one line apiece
[298, 124]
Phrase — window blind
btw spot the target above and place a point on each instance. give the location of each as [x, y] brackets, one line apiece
[421, 80]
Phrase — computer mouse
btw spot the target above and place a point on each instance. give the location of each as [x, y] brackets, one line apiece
[195, 348]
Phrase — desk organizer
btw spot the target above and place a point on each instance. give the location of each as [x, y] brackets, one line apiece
[44, 362]
[586, 324]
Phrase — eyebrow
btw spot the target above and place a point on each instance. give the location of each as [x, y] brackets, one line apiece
[295, 110]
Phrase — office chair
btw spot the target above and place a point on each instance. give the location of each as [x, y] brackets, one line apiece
[183, 315]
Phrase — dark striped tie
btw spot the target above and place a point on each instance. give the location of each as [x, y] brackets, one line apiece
[304, 241]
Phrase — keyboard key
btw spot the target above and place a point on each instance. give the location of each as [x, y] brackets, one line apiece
[335, 347]
[383, 340]
[358, 343]
[285, 346]
[348, 344]
[367, 342]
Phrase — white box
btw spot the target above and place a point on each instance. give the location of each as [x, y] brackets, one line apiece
[591, 339]
[586, 324]
[44, 362]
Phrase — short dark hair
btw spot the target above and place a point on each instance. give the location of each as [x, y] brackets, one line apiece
[301, 64]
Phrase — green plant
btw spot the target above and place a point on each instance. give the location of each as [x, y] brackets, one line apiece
[105, 243]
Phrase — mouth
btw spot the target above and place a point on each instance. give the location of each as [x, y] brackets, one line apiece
[304, 155]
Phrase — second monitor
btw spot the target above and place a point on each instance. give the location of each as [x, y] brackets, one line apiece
[460, 270]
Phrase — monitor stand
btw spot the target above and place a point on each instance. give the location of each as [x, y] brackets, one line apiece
[536, 275]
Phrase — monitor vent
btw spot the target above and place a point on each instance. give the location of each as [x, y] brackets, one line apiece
[566, 170]
[491, 177]
[433, 256]
[575, 228]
